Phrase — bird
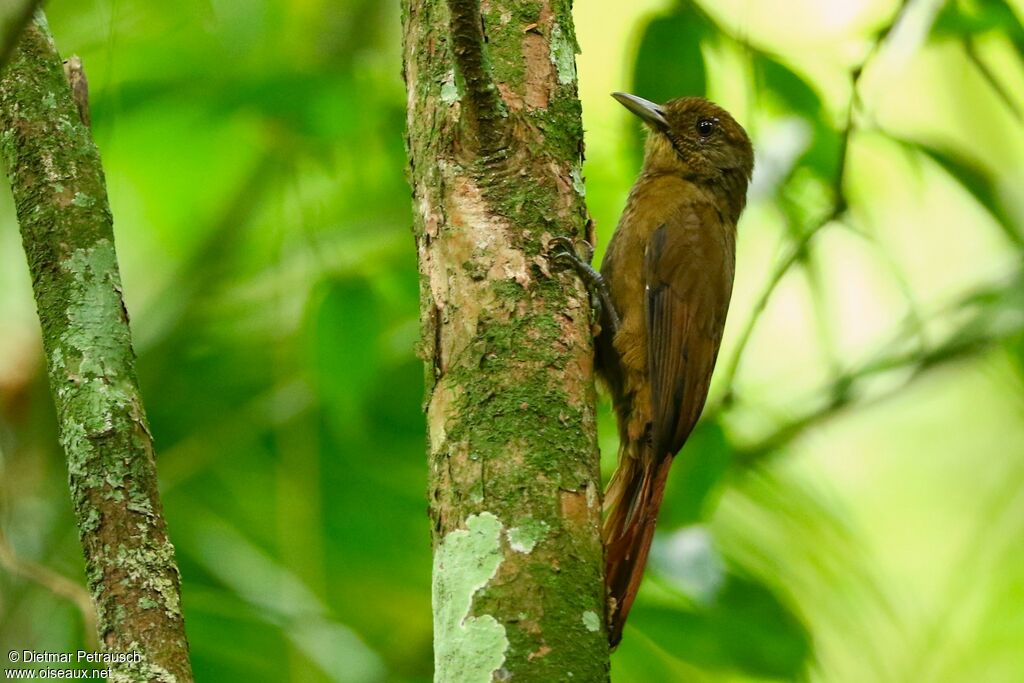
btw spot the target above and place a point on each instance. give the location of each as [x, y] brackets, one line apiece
[663, 294]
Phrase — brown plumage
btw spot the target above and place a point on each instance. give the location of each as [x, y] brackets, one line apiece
[669, 273]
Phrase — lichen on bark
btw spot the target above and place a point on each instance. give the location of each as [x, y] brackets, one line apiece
[67, 231]
[495, 147]
[469, 648]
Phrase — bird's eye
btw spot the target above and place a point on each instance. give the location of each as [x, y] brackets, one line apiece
[706, 127]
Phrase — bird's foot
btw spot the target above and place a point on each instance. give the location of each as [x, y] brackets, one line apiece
[562, 250]
[559, 246]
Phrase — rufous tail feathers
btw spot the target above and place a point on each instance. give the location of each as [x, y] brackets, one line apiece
[632, 500]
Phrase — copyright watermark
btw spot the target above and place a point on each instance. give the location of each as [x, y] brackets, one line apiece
[62, 674]
[79, 658]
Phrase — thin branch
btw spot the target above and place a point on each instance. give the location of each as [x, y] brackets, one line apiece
[971, 48]
[961, 344]
[812, 274]
[795, 254]
[838, 210]
[53, 582]
[840, 389]
[914, 317]
[66, 226]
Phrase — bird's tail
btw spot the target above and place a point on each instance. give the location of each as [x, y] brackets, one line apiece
[632, 500]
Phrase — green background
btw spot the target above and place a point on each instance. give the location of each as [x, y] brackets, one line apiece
[851, 509]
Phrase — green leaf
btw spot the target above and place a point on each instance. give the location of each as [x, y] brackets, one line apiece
[669, 63]
[344, 330]
[640, 660]
[1015, 345]
[960, 18]
[747, 628]
[791, 93]
[978, 183]
[696, 477]
[774, 78]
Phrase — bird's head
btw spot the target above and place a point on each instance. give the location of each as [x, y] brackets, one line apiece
[692, 137]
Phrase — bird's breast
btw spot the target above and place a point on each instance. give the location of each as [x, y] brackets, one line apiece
[687, 209]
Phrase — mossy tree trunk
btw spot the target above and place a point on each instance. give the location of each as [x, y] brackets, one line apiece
[495, 144]
[66, 226]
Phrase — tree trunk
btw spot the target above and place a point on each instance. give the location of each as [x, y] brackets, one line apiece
[66, 226]
[495, 144]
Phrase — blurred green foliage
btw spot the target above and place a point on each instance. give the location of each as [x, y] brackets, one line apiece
[848, 511]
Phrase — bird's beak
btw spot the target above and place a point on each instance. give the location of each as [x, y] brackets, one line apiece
[650, 113]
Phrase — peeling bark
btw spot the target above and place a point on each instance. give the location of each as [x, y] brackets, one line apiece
[67, 230]
[495, 146]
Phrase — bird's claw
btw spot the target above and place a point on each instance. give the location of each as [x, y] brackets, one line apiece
[564, 258]
[562, 250]
[564, 242]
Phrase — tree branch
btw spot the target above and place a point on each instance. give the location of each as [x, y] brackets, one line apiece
[967, 340]
[67, 230]
[53, 582]
[839, 207]
[971, 49]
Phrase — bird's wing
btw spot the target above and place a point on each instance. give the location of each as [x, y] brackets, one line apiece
[688, 270]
